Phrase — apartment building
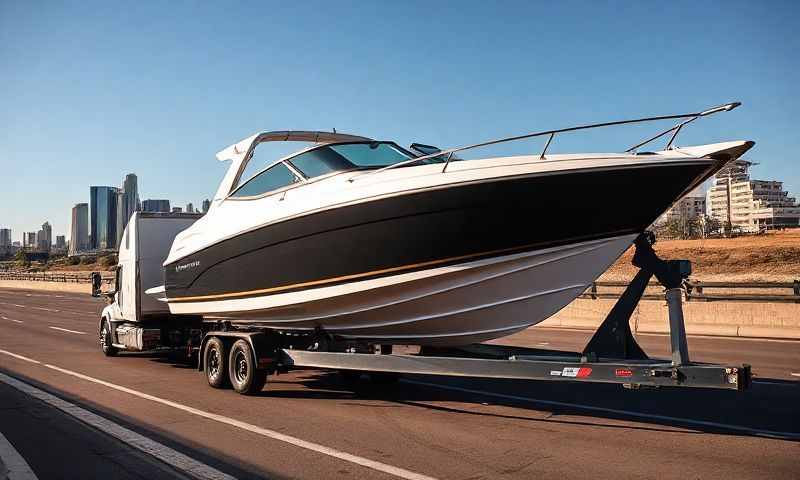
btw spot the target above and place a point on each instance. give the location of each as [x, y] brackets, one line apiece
[750, 205]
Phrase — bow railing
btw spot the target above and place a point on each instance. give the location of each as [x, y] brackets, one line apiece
[686, 117]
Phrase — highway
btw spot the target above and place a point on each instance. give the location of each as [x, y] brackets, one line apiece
[311, 424]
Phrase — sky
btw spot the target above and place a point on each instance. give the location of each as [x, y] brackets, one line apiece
[92, 91]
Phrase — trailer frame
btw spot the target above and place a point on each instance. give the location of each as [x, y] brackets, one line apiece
[611, 356]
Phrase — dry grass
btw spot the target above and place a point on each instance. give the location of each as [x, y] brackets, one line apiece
[771, 257]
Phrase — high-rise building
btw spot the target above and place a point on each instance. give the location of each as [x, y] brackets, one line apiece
[750, 205]
[151, 205]
[103, 221]
[5, 237]
[127, 203]
[29, 239]
[61, 242]
[131, 188]
[44, 239]
[206, 205]
[177, 210]
[189, 208]
[41, 241]
[79, 234]
[121, 216]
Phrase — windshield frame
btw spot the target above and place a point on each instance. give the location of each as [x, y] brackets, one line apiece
[304, 179]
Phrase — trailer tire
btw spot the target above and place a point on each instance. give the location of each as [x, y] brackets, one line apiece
[215, 363]
[106, 343]
[245, 377]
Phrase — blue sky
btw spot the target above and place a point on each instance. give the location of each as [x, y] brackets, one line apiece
[92, 91]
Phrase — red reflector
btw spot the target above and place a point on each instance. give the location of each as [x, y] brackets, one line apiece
[584, 372]
[623, 372]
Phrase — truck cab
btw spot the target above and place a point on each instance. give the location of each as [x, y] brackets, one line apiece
[134, 320]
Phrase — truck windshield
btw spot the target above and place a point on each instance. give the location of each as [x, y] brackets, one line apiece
[348, 156]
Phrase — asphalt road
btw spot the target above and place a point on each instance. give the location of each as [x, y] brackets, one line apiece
[310, 424]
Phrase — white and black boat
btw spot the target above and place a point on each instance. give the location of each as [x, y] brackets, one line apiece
[366, 240]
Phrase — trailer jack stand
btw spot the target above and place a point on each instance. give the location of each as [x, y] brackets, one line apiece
[613, 339]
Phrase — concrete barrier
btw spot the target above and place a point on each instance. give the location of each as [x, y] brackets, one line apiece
[49, 286]
[728, 319]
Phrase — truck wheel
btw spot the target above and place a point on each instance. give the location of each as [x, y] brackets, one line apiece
[246, 378]
[106, 345]
[215, 363]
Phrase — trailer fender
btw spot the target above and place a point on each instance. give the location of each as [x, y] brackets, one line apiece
[263, 347]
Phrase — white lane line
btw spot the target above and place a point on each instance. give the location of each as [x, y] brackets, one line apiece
[314, 447]
[167, 455]
[46, 309]
[16, 467]
[68, 330]
[20, 306]
[795, 374]
[11, 319]
[21, 357]
[686, 421]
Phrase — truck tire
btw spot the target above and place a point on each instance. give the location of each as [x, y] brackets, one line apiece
[106, 344]
[245, 377]
[215, 363]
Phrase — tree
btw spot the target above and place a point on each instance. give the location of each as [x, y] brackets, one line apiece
[22, 259]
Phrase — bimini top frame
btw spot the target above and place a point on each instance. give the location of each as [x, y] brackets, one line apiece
[239, 153]
[688, 118]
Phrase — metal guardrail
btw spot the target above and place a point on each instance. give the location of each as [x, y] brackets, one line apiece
[52, 277]
[779, 292]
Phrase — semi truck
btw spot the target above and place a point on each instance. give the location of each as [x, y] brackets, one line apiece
[243, 356]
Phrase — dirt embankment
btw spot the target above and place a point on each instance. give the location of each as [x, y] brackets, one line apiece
[770, 257]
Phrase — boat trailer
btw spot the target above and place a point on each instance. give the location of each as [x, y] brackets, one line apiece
[612, 355]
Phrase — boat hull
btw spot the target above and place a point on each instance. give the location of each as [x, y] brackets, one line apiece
[453, 305]
[412, 231]
[449, 265]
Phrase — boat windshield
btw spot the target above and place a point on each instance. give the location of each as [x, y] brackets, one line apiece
[348, 156]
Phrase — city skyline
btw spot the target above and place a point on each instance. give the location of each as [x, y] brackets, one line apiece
[119, 204]
[493, 76]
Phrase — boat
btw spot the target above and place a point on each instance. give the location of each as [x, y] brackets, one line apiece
[369, 241]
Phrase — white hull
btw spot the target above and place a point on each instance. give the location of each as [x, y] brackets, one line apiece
[453, 305]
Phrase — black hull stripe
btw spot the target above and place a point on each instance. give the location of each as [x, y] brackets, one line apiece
[378, 273]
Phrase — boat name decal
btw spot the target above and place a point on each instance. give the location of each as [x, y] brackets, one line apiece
[186, 266]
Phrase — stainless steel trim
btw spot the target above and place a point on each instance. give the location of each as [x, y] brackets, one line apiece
[691, 116]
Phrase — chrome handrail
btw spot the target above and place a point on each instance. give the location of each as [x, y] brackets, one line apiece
[677, 128]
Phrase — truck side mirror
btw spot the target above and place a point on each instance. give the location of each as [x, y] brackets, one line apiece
[96, 281]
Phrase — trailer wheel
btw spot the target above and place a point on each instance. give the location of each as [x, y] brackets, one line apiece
[245, 377]
[215, 362]
[106, 345]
